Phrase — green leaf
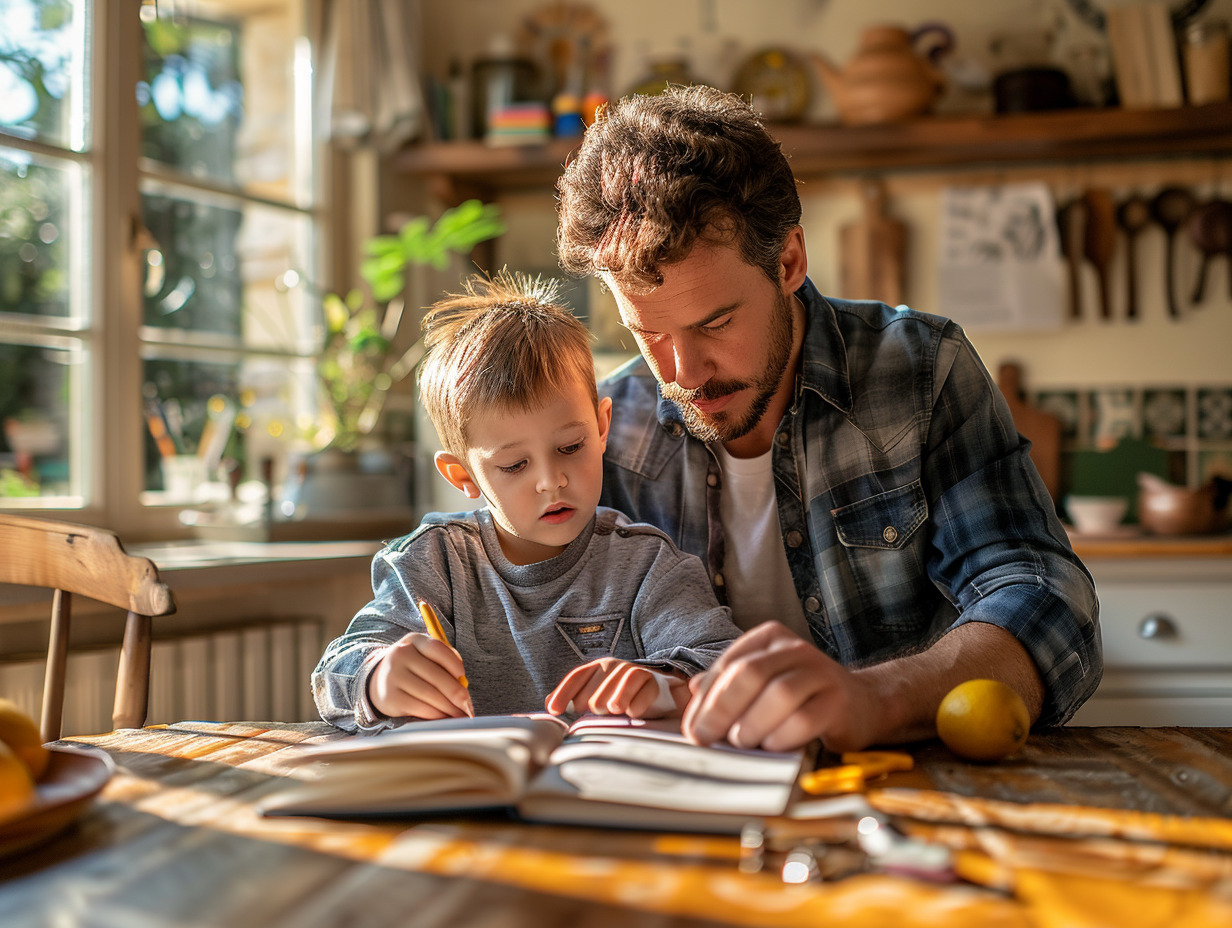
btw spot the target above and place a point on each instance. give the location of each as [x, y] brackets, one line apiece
[386, 288]
[381, 245]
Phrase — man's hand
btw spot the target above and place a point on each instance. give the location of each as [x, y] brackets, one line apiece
[610, 686]
[418, 677]
[771, 689]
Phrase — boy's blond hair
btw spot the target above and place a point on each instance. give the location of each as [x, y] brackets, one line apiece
[504, 343]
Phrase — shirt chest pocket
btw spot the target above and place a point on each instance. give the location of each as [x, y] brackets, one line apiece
[885, 521]
[593, 636]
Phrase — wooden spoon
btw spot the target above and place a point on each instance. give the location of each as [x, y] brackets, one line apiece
[1133, 216]
[1170, 208]
[1070, 220]
[1099, 242]
[1210, 228]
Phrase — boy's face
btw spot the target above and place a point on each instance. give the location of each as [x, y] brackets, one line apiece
[541, 471]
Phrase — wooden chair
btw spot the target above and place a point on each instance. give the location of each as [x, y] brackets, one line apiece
[69, 559]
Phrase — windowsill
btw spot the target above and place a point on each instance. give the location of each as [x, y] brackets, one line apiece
[186, 565]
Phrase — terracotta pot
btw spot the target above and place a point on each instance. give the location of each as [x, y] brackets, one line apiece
[1166, 509]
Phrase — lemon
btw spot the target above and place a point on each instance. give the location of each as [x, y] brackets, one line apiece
[16, 787]
[983, 720]
[18, 731]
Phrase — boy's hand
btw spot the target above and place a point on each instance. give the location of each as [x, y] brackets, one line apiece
[610, 686]
[418, 677]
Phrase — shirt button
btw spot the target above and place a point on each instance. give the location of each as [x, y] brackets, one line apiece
[890, 534]
[718, 579]
[712, 480]
[811, 604]
[782, 438]
[794, 538]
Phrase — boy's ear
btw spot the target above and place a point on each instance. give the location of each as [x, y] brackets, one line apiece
[457, 474]
[605, 420]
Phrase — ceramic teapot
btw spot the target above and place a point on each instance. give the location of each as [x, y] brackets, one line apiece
[889, 79]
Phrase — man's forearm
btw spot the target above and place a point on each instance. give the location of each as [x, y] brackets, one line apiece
[911, 688]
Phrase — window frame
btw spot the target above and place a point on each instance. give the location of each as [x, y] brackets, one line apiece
[106, 405]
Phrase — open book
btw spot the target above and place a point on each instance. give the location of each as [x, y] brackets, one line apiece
[601, 770]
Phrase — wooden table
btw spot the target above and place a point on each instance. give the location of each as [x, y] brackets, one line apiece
[174, 840]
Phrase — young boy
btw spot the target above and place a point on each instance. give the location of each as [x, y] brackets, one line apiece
[550, 600]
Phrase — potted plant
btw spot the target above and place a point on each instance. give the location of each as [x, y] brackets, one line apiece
[358, 362]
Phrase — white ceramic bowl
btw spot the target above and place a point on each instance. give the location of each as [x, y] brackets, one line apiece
[1093, 515]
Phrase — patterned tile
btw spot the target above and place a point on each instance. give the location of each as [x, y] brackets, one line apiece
[1114, 415]
[1064, 404]
[1215, 413]
[1164, 413]
[1211, 463]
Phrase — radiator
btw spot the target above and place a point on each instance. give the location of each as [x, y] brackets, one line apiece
[259, 672]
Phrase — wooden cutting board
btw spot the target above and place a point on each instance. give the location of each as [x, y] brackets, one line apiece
[1042, 428]
[873, 251]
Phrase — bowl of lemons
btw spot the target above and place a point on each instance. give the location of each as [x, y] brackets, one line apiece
[43, 788]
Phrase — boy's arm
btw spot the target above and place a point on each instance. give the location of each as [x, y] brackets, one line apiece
[677, 622]
[340, 680]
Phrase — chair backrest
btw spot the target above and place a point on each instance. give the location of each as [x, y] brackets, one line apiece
[70, 559]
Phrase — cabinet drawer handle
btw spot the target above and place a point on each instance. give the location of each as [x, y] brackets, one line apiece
[1157, 625]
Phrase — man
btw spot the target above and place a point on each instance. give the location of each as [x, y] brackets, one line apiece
[846, 470]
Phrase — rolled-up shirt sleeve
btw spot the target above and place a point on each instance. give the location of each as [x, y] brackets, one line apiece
[998, 548]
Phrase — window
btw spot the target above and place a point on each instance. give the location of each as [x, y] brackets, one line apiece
[150, 216]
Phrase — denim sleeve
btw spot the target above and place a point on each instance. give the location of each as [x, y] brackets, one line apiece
[340, 680]
[676, 619]
[998, 546]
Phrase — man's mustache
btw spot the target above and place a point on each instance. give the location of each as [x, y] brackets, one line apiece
[710, 390]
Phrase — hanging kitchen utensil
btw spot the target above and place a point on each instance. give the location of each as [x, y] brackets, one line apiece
[1071, 218]
[873, 251]
[1099, 241]
[1170, 208]
[1210, 228]
[1133, 216]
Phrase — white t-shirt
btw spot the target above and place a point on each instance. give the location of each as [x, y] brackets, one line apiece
[755, 571]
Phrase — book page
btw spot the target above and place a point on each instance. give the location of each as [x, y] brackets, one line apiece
[602, 779]
[447, 764]
[683, 757]
[630, 776]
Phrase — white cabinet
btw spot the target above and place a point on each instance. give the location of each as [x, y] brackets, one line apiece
[1167, 630]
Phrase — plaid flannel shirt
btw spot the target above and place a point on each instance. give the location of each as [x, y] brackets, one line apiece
[907, 499]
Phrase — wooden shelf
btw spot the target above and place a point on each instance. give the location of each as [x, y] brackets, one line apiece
[933, 142]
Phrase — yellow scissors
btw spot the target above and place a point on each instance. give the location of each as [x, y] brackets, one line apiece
[857, 768]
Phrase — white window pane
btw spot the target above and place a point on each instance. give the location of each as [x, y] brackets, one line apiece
[38, 444]
[219, 267]
[41, 235]
[218, 99]
[44, 71]
[206, 418]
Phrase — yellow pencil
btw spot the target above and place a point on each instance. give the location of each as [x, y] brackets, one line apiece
[436, 631]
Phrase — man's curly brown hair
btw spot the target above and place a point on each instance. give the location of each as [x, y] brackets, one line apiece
[656, 174]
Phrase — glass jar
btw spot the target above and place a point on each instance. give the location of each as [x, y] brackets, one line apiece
[1206, 62]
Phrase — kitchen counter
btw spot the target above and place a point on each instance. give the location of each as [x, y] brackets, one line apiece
[1135, 545]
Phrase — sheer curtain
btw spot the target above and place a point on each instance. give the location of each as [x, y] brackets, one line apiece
[368, 85]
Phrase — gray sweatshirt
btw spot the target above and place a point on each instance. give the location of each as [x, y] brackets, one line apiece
[620, 589]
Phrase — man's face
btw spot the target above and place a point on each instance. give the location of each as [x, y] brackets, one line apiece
[721, 338]
[541, 471]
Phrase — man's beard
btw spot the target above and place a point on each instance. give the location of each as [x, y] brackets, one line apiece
[723, 426]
